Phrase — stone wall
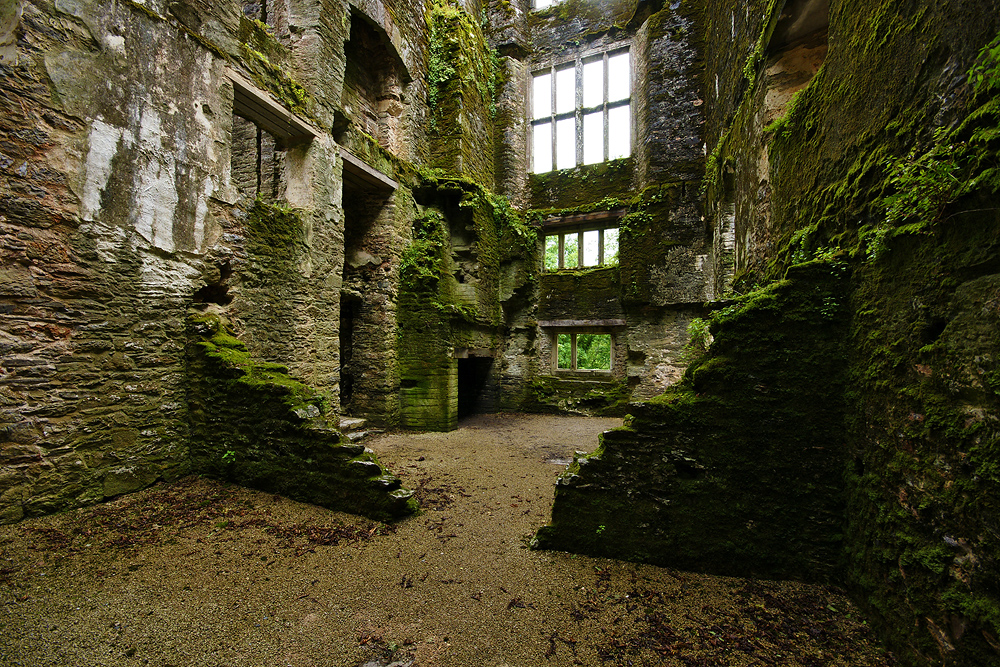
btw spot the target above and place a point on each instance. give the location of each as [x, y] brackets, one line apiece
[130, 194]
[845, 170]
[670, 262]
[382, 241]
[254, 425]
[737, 470]
[106, 214]
[840, 134]
[469, 251]
[133, 194]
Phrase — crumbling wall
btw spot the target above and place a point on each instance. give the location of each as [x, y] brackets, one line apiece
[890, 168]
[817, 157]
[254, 425]
[894, 170]
[469, 249]
[462, 78]
[106, 211]
[669, 262]
[736, 470]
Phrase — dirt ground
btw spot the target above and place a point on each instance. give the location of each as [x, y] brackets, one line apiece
[201, 573]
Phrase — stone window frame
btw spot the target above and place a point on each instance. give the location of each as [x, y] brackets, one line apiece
[563, 226]
[574, 327]
[579, 111]
[292, 134]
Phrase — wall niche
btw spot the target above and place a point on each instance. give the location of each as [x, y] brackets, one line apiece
[374, 83]
[796, 51]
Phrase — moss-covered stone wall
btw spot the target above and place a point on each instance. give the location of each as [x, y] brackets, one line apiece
[738, 468]
[469, 256]
[122, 206]
[670, 261]
[462, 77]
[254, 425]
[120, 210]
[103, 220]
[893, 168]
[884, 162]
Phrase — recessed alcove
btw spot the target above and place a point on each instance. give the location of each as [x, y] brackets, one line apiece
[796, 51]
[374, 83]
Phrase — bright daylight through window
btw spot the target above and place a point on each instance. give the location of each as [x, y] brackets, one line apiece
[580, 112]
[577, 248]
[583, 351]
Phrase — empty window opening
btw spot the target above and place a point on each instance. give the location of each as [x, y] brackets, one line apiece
[543, 4]
[374, 82]
[581, 112]
[258, 161]
[262, 131]
[724, 237]
[577, 351]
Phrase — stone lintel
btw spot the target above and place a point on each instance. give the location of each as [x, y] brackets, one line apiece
[581, 323]
[466, 352]
[596, 218]
[261, 109]
[361, 174]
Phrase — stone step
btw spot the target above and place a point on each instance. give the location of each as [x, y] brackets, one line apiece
[350, 424]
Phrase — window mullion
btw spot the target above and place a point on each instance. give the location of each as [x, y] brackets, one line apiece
[578, 111]
[611, 352]
[579, 249]
[583, 143]
[600, 247]
[562, 250]
[572, 348]
[552, 78]
[607, 128]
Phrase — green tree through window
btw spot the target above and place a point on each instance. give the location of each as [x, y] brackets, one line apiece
[565, 351]
[600, 248]
[591, 351]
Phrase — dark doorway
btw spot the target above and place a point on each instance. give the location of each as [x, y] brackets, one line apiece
[348, 321]
[474, 391]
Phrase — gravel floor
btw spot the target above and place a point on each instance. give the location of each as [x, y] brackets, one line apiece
[202, 573]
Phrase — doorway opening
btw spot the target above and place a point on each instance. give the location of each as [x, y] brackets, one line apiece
[349, 308]
[367, 336]
[476, 394]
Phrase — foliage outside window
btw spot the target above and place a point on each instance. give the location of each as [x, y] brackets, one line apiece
[580, 112]
[583, 351]
[577, 248]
